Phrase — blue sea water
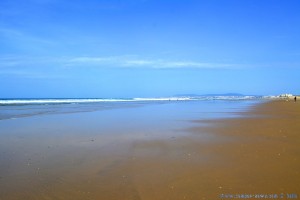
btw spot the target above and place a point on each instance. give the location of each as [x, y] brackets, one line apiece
[103, 119]
[27, 101]
[19, 108]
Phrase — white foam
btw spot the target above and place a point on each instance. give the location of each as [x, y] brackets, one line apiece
[163, 99]
[75, 101]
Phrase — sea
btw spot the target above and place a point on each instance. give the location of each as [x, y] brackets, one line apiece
[20, 108]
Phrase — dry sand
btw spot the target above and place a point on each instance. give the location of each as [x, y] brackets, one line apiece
[252, 155]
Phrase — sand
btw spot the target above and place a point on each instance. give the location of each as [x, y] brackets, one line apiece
[255, 154]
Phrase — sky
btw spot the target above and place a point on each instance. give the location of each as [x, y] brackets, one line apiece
[148, 48]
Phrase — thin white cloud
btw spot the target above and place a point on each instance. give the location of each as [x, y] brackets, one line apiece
[21, 37]
[133, 62]
[89, 60]
[137, 63]
[107, 62]
[10, 61]
[29, 74]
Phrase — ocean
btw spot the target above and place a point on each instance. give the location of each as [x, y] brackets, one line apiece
[18, 108]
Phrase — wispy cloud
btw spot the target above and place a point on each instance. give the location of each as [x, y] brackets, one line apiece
[127, 61]
[28, 67]
[20, 38]
[29, 74]
[135, 62]
[10, 61]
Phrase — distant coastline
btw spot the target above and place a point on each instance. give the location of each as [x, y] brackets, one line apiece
[8, 101]
[183, 97]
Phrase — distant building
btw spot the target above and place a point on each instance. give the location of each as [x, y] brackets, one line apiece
[286, 96]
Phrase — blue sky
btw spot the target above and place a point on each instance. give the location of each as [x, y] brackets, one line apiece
[148, 48]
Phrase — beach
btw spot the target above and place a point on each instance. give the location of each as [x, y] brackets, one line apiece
[174, 150]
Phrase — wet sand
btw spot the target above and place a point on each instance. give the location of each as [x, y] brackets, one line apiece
[257, 153]
[261, 155]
